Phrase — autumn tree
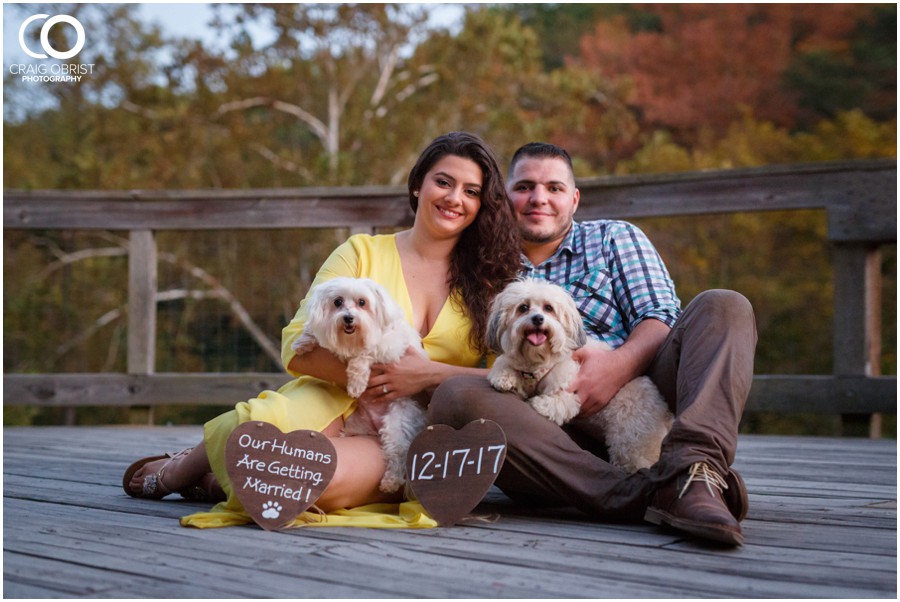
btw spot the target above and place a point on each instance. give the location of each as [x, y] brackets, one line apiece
[305, 100]
[559, 26]
[858, 73]
[707, 61]
[493, 81]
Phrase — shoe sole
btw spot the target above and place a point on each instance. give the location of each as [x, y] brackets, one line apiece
[701, 530]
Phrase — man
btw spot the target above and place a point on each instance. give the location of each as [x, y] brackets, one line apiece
[701, 359]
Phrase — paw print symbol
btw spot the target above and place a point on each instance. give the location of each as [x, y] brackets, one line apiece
[272, 510]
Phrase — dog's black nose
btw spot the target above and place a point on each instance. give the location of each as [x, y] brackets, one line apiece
[537, 319]
[348, 319]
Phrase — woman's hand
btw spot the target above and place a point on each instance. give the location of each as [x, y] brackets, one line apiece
[412, 374]
[320, 363]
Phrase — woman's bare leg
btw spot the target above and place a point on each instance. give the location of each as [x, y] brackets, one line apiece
[360, 467]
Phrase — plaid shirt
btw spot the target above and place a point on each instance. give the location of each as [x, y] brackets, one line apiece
[615, 275]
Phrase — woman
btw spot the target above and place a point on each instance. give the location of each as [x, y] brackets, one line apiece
[462, 250]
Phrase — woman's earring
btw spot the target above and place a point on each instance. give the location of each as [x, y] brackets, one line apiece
[416, 193]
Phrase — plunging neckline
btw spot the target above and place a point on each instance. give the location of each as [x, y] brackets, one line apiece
[408, 298]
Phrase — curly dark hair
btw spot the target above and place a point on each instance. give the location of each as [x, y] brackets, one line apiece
[488, 254]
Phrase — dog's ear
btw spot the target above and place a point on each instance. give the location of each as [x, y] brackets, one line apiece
[316, 326]
[574, 326]
[387, 311]
[493, 332]
[496, 322]
[579, 339]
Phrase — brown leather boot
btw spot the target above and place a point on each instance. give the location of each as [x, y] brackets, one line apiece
[735, 495]
[694, 503]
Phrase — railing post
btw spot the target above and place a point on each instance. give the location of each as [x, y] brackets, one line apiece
[142, 285]
[857, 323]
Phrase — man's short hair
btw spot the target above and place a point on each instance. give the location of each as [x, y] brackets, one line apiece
[541, 150]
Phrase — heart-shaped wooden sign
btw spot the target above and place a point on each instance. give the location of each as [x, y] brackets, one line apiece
[450, 470]
[275, 475]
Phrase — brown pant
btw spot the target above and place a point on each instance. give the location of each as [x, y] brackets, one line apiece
[704, 369]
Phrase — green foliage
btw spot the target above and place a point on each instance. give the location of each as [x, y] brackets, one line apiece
[850, 135]
[753, 143]
[779, 261]
[60, 307]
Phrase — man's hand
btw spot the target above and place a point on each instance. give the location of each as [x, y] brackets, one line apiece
[603, 372]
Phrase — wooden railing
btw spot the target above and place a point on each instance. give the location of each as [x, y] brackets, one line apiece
[860, 199]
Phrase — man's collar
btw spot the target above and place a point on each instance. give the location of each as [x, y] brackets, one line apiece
[568, 244]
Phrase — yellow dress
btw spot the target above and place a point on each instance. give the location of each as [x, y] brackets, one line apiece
[313, 404]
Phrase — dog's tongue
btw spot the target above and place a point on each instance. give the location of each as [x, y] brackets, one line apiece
[536, 338]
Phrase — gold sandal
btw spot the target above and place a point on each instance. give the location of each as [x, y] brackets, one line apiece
[152, 488]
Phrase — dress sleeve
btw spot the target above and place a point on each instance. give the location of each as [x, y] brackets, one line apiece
[343, 261]
[641, 283]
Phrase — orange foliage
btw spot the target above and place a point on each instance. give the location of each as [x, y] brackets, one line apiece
[706, 61]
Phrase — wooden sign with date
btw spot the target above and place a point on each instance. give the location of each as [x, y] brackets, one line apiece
[451, 470]
[276, 476]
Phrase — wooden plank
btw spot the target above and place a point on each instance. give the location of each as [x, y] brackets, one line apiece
[791, 393]
[310, 194]
[142, 284]
[860, 212]
[27, 574]
[142, 287]
[857, 323]
[204, 214]
[54, 390]
[855, 189]
[823, 394]
[857, 319]
[771, 188]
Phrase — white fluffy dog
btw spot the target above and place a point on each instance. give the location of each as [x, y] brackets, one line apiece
[535, 326]
[359, 322]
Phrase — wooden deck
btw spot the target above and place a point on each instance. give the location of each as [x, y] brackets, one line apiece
[822, 524]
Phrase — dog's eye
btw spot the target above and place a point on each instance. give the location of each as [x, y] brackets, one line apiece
[548, 308]
[339, 302]
[523, 308]
[361, 303]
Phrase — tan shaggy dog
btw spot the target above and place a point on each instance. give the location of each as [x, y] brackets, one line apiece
[535, 326]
